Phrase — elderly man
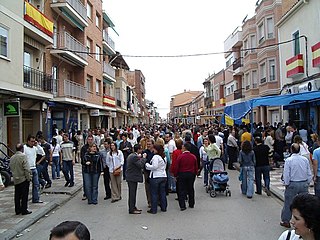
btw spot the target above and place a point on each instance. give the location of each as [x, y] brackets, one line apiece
[21, 178]
[296, 176]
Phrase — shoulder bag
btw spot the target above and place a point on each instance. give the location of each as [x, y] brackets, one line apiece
[116, 172]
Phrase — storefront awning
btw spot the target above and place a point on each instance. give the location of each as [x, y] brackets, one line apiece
[239, 110]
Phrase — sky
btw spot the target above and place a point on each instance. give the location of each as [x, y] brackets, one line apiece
[174, 27]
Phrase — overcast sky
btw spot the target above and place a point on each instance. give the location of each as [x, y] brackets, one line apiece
[174, 27]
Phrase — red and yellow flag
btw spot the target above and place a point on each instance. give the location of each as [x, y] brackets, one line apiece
[36, 18]
[316, 55]
[295, 65]
[109, 101]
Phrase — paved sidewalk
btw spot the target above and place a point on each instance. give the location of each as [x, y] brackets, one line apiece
[12, 224]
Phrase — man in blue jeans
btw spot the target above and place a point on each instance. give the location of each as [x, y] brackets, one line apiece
[31, 153]
[68, 161]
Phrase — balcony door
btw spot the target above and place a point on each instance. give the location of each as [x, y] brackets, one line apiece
[27, 59]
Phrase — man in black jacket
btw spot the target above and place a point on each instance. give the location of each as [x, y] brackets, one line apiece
[135, 165]
[261, 152]
[126, 149]
[195, 151]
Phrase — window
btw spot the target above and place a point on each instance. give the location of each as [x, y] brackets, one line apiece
[98, 84]
[261, 33]
[296, 43]
[254, 79]
[245, 46]
[98, 19]
[270, 27]
[3, 42]
[253, 42]
[217, 94]
[272, 70]
[88, 83]
[263, 73]
[247, 81]
[89, 45]
[98, 50]
[89, 10]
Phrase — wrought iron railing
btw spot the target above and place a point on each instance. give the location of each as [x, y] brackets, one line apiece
[76, 5]
[37, 80]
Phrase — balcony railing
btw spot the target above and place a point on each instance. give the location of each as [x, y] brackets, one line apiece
[37, 80]
[109, 70]
[263, 80]
[237, 63]
[237, 94]
[76, 5]
[108, 39]
[67, 42]
[74, 90]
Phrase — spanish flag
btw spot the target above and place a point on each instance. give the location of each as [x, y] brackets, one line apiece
[295, 65]
[316, 55]
[109, 101]
[36, 18]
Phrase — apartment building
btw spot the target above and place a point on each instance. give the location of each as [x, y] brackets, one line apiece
[252, 68]
[196, 110]
[299, 59]
[214, 97]
[137, 80]
[179, 106]
[25, 32]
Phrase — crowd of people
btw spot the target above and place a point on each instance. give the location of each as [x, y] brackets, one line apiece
[168, 159]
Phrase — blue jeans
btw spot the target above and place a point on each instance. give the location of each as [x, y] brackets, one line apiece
[42, 182]
[172, 182]
[291, 191]
[206, 166]
[265, 170]
[91, 181]
[317, 187]
[158, 189]
[55, 167]
[247, 186]
[68, 171]
[35, 186]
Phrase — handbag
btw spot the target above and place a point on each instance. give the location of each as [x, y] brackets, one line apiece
[117, 171]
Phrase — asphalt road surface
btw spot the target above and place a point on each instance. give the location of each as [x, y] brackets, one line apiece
[222, 217]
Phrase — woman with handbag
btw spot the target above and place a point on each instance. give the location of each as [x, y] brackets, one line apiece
[115, 161]
[92, 168]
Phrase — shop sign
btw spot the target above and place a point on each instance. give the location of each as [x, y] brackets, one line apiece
[113, 114]
[12, 109]
[94, 112]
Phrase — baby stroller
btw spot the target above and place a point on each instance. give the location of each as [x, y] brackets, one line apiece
[218, 179]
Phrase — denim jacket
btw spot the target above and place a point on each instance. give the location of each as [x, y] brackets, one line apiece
[247, 160]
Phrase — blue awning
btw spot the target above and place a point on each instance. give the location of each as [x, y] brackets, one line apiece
[239, 110]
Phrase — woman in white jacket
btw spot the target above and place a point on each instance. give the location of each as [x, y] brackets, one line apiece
[158, 179]
[115, 161]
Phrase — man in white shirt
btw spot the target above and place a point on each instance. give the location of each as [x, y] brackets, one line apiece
[31, 153]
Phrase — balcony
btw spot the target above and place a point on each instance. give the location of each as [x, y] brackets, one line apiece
[237, 94]
[70, 49]
[108, 43]
[37, 80]
[73, 11]
[234, 40]
[109, 73]
[37, 25]
[295, 66]
[73, 90]
[237, 67]
[109, 101]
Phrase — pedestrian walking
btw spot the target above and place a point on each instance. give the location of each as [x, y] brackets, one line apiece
[296, 176]
[55, 159]
[232, 149]
[247, 162]
[67, 160]
[106, 175]
[146, 172]
[22, 176]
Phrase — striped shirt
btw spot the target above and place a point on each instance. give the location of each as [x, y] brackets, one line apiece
[67, 151]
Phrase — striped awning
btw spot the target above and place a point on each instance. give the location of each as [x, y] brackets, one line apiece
[295, 65]
[316, 55]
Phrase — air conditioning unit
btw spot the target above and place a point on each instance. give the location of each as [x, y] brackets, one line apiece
[293, 89]
[313, 85]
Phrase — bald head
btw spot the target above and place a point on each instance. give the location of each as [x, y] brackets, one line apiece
[295, 148]
[19, 147]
